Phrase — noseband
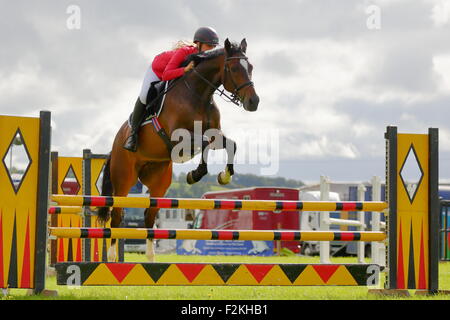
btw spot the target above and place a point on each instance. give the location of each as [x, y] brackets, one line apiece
[234, 98]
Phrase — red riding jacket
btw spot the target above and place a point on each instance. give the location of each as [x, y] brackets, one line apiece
[167, 64]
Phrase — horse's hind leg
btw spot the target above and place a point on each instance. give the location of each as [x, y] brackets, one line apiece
[149, 216]
[157, 177]
[116, 219]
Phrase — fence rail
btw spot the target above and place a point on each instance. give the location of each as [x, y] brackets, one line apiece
[200, 234]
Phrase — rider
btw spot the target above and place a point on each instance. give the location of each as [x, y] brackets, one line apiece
[166, 66]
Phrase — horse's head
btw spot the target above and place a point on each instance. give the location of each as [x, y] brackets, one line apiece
[237, 75]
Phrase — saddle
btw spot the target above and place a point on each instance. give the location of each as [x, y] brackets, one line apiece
[155, 102]
[155, 98]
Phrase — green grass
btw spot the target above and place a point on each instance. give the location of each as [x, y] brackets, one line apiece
[223, 293]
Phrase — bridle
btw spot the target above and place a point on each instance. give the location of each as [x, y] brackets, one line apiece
[237, 88]
[234, 98]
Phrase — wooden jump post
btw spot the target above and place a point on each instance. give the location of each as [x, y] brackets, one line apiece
[412, 226]
[83, 173]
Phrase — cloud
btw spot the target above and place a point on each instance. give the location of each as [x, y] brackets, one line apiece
[327, 83]
[440, 13]
[279, 63]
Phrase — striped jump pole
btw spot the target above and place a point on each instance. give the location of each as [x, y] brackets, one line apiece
[209, 204]
[203, 234]
[66, 210]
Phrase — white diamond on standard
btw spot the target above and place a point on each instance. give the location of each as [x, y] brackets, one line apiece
[70, 184]
[17, 160]
[411, 173]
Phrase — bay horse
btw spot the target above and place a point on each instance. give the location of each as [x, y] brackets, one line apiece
[190, 100]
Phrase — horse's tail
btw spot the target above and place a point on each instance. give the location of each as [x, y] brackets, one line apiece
[107, 190]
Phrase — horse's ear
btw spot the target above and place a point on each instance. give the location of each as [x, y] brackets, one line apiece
[227, 46]
[244, 45]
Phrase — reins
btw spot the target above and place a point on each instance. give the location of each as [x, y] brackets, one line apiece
[234, 98]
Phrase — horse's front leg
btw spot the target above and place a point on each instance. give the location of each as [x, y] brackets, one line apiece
[230, 146]
[202, 169]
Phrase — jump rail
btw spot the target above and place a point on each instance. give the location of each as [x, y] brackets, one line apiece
[203, 234]
[66, 210]
[205, 204]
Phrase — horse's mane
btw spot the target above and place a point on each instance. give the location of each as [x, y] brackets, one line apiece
[210, 54]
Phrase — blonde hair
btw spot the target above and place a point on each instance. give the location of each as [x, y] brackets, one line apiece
[183, 43]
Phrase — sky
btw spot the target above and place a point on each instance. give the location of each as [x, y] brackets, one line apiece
[331, 75]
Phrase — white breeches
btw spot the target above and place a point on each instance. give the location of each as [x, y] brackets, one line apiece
[149, 77]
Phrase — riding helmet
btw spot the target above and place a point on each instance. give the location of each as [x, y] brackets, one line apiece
[206, 35]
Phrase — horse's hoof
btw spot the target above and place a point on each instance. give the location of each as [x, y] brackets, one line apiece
[224, 177]
[190, 179]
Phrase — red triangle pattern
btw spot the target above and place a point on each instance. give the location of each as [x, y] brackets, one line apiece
[78, 257]
[422, 273]
[120, 270]
[190, 271]
[259, 271]
[96, 255]
[400, 268]
[326, 271]
[25, 282]
[61, 250]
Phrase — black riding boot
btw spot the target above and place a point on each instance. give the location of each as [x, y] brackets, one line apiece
[136, 119]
